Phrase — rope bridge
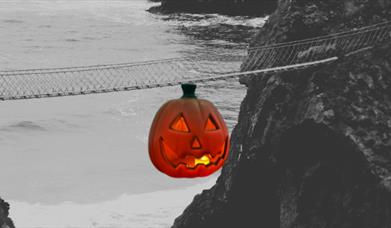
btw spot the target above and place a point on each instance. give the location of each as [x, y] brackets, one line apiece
[38, 83]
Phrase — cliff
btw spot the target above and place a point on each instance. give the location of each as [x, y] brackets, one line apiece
[229, 7]
[5, 221]
[312, 148]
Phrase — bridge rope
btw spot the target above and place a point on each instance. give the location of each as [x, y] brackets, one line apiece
[67, 81]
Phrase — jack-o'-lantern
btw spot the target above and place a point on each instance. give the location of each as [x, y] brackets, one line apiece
[188, 137]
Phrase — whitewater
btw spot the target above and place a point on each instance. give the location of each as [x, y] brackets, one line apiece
[82, 161]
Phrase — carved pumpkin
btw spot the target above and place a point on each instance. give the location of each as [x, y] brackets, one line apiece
[188, 137]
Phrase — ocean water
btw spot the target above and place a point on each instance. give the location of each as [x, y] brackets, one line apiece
[82, 161]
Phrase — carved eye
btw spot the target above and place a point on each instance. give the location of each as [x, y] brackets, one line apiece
[180, 124]
[211, 124]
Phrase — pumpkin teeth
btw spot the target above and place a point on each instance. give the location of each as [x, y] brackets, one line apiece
[189, 161]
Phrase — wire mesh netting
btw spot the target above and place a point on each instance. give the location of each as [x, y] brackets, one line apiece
[38, 83]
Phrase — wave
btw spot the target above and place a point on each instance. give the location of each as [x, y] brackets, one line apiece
[189, 20]
[71, 40]
[41, 126]
[13, 21]
[23, 125]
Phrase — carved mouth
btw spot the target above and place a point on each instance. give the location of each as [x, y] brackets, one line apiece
[192, 162]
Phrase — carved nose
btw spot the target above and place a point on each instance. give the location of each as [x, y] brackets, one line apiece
[196, 143]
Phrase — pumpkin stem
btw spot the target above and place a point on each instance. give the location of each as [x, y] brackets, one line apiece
[189, 90]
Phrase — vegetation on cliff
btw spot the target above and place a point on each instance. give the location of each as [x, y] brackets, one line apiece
[311, 147]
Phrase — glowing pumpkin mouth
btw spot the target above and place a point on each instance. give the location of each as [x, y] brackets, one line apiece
[205, 160]
[190, 161]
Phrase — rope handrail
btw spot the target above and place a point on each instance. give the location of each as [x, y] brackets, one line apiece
[98, 66]
[339, 34]
[66, 81]
[95, 66]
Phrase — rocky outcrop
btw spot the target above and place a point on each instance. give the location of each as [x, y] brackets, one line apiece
[5, 221]
[312, 148]
[229, 7]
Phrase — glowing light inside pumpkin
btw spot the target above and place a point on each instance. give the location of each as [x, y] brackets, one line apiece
[180, 124]
[211, 124]
[196, 144]
[202, 160]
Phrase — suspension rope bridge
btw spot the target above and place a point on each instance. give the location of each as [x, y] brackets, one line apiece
[39, 83]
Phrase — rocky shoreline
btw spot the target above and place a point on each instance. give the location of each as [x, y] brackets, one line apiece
[311, 147]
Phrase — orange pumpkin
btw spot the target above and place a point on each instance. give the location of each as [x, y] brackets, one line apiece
[188, 137]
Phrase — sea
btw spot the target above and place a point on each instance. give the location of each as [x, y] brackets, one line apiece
[82, 161]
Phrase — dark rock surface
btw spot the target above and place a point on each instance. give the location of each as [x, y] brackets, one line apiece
[211, 29]
[232, 33]
[312, 148]
[5, 221]
[229, 7]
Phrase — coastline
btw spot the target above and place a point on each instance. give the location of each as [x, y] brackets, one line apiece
[153, 210]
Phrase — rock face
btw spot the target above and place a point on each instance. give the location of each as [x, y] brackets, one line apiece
[312, 148]
[5, 221]
[230, 7]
